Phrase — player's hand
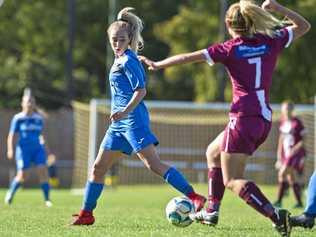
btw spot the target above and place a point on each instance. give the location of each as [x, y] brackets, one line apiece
[10, 154]
[277, 165]
[151, 64]
[118, 116]
[270, 5]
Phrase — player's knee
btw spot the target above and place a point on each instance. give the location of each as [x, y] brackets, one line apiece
[98, 170]
[229, 183]
[21, 177]
[213, 155]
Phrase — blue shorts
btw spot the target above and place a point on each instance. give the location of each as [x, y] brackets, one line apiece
[128, 141]
[25, 157]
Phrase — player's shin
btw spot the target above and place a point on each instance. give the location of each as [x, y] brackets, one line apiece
[178, 181]
[92, 194]
[216, 189]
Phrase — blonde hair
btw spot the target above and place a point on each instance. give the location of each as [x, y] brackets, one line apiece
[247, 18]
[132, 24]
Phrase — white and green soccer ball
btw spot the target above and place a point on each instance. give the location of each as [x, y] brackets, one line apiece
[178, 210]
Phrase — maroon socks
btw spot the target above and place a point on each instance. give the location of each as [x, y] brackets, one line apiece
[216, 188]
[283, 187]
[256, 199]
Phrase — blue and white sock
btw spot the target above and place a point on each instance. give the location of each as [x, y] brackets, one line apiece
[178, 181]
[14, 186]
[45, 188]
[92, 194]
[311, 196]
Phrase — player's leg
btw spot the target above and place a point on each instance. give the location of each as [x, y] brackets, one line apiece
[283, 185]
[43, 179]
[94, 186]
[16, 183]
[296, 188]
[171, 175]
[242, 137]
[233, 166]
[40, 161]
[111, 148]
[306, 219]
[22, 165]
[216, 186]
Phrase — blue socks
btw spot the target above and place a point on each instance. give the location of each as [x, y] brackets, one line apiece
[311, 196]
[14, 186]
[176, 179]
[92, 193]
[46, 188]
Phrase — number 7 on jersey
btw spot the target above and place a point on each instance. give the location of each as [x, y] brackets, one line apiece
[256, 61]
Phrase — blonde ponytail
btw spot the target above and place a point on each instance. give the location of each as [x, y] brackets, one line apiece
[247, 18]
[134, 26]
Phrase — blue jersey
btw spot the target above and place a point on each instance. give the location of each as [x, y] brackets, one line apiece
[127, 75]
[29, 129]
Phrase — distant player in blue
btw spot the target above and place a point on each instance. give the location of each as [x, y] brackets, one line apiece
[129, 130]
[25, 136]
[307, 219]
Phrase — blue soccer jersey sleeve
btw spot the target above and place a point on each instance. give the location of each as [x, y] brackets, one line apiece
[135, 74]
[14, 128]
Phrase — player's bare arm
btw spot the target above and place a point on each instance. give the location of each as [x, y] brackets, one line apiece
[300, 25]
[138, 95]
[10, 145]
[196, 56]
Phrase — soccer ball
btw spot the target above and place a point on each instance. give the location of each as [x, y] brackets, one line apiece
[178, 210]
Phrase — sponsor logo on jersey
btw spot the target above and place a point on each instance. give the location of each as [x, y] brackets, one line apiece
[244, 51]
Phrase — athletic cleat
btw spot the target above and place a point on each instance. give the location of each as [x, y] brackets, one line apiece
[8, 198]
[283, 226]
[198, 201]
[303, 220]
[204, 217]
[83, 218]
[48, 203]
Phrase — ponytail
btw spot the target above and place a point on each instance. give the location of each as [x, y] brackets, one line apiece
[134, 26]
[247, 18]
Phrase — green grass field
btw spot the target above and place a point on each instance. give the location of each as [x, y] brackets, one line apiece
[130, 211]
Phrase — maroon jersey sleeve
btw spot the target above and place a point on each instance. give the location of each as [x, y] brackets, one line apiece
[217, 53]
[283, 38]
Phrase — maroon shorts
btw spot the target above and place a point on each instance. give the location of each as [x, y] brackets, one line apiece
[245, 134]
[296, 162]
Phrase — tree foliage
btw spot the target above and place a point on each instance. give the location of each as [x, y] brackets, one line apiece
[34, 44]
[196, 26]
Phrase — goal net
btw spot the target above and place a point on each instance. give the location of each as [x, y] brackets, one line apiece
[184, 130]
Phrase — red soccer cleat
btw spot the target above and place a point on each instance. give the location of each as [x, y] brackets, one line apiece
[83, 218]
[198, 200]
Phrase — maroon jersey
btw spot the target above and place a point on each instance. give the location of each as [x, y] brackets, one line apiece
[250, 63]
[292, 131]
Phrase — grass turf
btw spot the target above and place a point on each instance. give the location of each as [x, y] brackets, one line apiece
[131, 211]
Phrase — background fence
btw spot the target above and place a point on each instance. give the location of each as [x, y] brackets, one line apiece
[184, 131]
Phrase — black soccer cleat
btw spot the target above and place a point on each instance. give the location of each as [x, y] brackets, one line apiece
[303, 220]
[283, 226]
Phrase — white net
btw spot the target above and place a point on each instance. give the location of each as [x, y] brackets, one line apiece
[184, 130]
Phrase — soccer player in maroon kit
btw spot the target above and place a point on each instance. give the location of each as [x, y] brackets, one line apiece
[291, 153]
[250, 58]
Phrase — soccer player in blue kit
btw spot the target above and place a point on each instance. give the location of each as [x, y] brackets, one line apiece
[307, 218]
[27, 126]
[129, 130]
